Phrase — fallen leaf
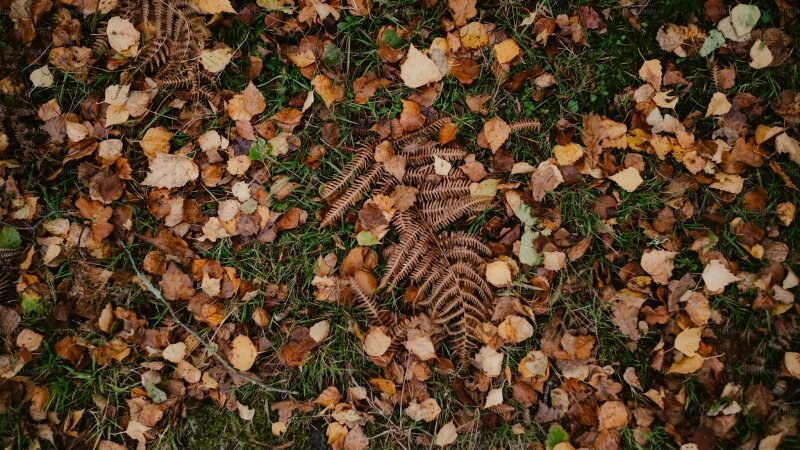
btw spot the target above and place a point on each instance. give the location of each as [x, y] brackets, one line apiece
[611, 415]
[490, 361]
[688, 341]
[652, 73]
[418, 70]
[514, 329]
[214, 6]
[243, 353]
[760, 55]
[217, 59]
[496, 131]
[376, 342]
[446, 435]
[506, 51]
[659, 264]
[174, 352]
[498, 273]
[718, 106]
[420, 344]
[427, 411]
[122, 35]
[716, 276]
[247, 104]
[42, 77]
[628, 179]
[171, 171]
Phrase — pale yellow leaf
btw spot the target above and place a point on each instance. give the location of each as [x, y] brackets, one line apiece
[418, 70]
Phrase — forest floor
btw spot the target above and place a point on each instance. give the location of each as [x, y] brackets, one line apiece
[166, 281]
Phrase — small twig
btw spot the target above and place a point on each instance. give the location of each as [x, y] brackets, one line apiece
[209, 347]
[39, 222]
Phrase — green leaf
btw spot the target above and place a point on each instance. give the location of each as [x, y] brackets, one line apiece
[392, 39]
[523, 213]
[332, 56]
[367, 239]
[527, 250]
[31, 302]
[155, 394]
[10, 238]
[744, 18]
[556, 435]
[714, 41]
[259, 150]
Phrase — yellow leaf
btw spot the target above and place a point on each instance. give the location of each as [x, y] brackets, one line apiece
[214, 6]
[243, 353]
[688, 341]
[474, 35]
[506, 51]
[418, 70]
[688, 364]
[216, 60]
[719, 105]
[628, 179]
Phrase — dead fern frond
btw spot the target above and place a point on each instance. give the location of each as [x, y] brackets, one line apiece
[451, 293]
[358, 164]
[525, 125]
[174, 37]
[421, 134]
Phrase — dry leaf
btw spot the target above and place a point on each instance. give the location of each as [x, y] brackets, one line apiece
[611, 415]
[419, 343]
[760, 54]
[490, 361]
[652, 73]
[498, 273]
[29, 340]
[514, 329]
[506, 51]
[217, 59]
[174, 352]
[122, 35]
[718, 106]
[243, 353]
[247, 104]
[42, 77]
[496, 132]
[427, 411]
[418, 70]
[171, 171]
[688, 341]
[716, 276]
[376, 342]
[659, 264]
[214, 6]
[628, 179]
[446, 435]
[320, 331]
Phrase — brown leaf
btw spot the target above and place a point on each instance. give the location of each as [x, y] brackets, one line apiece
[300, 343]
[496, 132]
[601, 133]
[176, 285]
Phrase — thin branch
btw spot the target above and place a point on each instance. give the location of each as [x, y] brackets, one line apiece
[210, 348]
[40, 221]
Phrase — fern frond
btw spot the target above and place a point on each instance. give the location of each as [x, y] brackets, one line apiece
[525, 125]
[427, 154]
[442, 213]
[363, 157]
[446, 189]
[353, 194]
[365, 302]
[421, 134]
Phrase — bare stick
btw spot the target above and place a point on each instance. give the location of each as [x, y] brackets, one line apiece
[209, 347]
